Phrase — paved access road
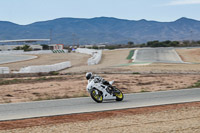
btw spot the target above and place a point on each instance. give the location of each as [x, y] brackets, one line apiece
[165, 55]
[81, 105]
[7, 58]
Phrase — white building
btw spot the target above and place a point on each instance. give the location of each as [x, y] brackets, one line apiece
[56, 46]
[12, 47]
[22, 41]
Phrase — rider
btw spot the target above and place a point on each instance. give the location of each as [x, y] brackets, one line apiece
[97, 79]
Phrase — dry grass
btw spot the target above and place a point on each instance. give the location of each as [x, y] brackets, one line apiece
[28, 80]
[67, 86]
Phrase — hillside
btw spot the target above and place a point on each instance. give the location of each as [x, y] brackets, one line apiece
[102, 30]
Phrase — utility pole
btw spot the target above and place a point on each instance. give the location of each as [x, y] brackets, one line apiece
[50, 36]
[73, 37]
[191, 36]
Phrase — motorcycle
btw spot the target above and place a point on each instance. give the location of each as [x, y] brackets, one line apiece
[99, 91]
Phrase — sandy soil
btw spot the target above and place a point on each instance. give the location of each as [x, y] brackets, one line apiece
[76, 59]
[74, 85]
[112, 60]
[79, 61]
[109, 59]
[190, 55]
[187, 55]
[161, 68]
[182, 118]
[162, 119]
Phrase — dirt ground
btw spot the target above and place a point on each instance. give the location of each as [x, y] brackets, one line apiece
[190, 55]
[79, 61]
[66, 86]
[76, 59]
[170, 118]
[161, 68]
[115, 61]
[109, 59]
[175, 118]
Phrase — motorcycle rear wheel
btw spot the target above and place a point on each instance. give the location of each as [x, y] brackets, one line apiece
[96, 95]
[119, 96]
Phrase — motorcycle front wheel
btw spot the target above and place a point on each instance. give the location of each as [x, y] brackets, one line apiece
[119, 95]
[96, 95]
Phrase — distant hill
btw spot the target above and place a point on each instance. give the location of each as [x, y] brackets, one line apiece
[102, 30]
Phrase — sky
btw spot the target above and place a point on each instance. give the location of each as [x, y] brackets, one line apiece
[28, 11]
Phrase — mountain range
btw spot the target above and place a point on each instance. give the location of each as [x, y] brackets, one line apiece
[102, 30]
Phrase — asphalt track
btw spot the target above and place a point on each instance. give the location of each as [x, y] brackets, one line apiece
[14, 111]
[163, 55]
[7, 58]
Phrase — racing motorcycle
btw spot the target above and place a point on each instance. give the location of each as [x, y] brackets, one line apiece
[99, 91]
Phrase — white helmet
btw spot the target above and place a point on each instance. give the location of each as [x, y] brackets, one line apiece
[88, 75]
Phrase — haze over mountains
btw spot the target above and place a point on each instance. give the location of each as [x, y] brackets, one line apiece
[102, 30]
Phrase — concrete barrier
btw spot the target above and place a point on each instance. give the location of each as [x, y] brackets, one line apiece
[85, 51]
[96, 55]
[96, 58]
[45, 68]
[4, 70]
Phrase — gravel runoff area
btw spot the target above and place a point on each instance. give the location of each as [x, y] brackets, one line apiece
[175, 118]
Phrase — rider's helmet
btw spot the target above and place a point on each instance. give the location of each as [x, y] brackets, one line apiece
[88, 75]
